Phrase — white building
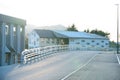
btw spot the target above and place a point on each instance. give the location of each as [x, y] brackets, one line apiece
[39, 38]
[85, 40]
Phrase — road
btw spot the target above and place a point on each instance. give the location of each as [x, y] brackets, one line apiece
[86, 65]
[102, 67]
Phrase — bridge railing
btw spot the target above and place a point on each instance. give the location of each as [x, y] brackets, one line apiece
[37, 54]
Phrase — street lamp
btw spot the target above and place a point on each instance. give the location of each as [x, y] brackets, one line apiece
[117, 28]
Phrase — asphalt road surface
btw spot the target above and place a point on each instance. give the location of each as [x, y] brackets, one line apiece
[102, 67]
[75, 65]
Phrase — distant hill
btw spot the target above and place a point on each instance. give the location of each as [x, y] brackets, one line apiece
[29, 27]
[53, 27]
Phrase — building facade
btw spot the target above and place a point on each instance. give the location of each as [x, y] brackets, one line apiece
[86, 40]
[40, 38]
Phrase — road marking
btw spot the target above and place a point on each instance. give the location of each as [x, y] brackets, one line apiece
[118, 59]
[78, 68]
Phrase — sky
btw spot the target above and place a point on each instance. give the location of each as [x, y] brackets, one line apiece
[85, 14]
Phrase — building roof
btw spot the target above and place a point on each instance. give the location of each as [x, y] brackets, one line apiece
[45, 33]
[66, 34]
[73, 34]
[59, 35]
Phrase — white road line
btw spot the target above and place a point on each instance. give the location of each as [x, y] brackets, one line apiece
[78, 68]
[118, 59]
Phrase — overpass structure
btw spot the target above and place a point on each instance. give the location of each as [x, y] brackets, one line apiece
[12, 36]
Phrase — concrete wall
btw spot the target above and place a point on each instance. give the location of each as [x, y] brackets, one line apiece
[12, 39]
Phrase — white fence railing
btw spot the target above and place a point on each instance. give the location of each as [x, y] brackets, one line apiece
[37, 54]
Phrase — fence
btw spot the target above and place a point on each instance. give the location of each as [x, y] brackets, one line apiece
[37, 54]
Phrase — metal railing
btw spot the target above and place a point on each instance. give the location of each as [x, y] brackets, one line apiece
[37, 54]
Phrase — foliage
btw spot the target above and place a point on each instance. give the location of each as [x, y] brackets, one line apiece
[98, 32]
[72, 28]
[113, 44]
[88, 31]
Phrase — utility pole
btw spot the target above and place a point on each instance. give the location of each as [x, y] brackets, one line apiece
[117, 28]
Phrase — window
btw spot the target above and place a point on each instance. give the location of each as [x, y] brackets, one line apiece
[106, 43]
[93, 41]
[42, 40]
[97, 43]
[83, 40]
[102, 41]
[52, 40]
[77, 42]
[72, 40]
[21, 29]
[6, 29]
[88, 43]
[55, 41]
[102, 46]
[47, 41]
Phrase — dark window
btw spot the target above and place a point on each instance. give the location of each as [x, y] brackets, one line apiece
[52, 41]
[93, 41]
[77, 42]
[97, 43]
[72, 40]
[6, 29]
[102, 41]
[106, 43]
[83, 40]
[47, 41]
[88, 43]
[102, 46]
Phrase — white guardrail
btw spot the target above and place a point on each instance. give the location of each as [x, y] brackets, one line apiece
[37, 54]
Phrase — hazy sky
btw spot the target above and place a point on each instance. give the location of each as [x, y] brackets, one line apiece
[91, 14]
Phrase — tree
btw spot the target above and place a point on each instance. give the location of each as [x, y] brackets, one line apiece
[72, 28]
[113, 44]
[98, 32]
[87, 31]
[101, 33]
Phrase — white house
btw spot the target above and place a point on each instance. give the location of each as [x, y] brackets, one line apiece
[39, 38]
